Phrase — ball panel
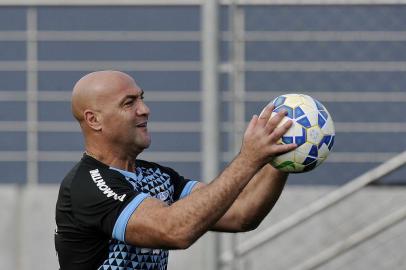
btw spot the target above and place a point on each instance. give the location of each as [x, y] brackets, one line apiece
[331, 143]
[285, 166]
[304, 149]
[284, 160]
[310, 116]
[300, 134]
[286, 108]
[293, 100]
[328, 128]
[324, 114]
[325, 140]
[314, 151]
[309, 160]
[289, 167]
[321, 121]
[300, 157]
[307, 108]
[323, 151]
[319, 105]
[309, 101]
[304, 121]
[298, 112]
[279, 101]
[286, 156]
[287, 139]
[314, 135]
[310, 167]
[298, 168]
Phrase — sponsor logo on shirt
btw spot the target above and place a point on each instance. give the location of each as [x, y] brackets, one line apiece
[103, 187]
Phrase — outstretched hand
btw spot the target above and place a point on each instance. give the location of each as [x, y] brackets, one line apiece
[261, 137]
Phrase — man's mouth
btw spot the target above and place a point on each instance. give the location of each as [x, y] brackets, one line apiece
[143, 124]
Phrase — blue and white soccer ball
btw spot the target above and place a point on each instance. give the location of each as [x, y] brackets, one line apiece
[312, 130]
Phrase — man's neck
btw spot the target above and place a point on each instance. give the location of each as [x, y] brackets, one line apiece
[111, 159]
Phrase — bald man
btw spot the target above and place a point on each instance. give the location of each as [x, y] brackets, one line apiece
[115, 211]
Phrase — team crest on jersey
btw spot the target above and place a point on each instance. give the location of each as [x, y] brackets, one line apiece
[163, 195]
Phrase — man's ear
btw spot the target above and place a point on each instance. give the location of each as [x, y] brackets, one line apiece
[92, 119]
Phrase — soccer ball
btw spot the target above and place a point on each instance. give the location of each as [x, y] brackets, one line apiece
[312, 130]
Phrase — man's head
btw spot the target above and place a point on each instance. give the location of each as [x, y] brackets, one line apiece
[110, 109]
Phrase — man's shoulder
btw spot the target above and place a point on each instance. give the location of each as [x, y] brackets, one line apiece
[80, 167]
[89, 168]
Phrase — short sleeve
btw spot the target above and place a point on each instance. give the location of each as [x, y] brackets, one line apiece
[182, 186]
[103, 200]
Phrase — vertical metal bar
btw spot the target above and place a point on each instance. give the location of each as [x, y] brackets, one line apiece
[32, 136]
[239, 76]
[232, 76]
[210, 113]
[19, 225]
[231, 109]
[237, 91]
[210, 91]
[32, 97]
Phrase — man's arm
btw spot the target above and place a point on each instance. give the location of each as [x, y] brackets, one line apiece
[155, 224]
[254, 203]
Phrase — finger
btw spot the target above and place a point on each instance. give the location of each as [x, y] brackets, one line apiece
[253, 122]
[265, 114]
[280, 131]
[274, 121]
[279, 149]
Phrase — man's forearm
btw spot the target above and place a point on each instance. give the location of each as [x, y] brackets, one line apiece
[255, 202]
[206, 206]
[261, 195]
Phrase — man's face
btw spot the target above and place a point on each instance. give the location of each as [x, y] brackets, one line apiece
[125, 117]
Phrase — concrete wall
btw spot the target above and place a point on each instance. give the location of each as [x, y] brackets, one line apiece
[27, 225]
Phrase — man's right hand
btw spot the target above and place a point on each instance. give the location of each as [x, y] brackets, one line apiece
[261, 136]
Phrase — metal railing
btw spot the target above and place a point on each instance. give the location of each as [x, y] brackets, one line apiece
[315, 208]
[353, 240]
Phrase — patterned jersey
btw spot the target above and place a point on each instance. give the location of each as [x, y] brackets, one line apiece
[94, 205]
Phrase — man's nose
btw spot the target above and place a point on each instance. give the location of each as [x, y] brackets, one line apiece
[143, 109]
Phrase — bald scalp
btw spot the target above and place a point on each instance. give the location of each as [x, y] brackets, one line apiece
[95, 89]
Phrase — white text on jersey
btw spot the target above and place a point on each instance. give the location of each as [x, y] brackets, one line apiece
[101, 184]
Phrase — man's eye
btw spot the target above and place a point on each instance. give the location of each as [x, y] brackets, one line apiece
[129, 102]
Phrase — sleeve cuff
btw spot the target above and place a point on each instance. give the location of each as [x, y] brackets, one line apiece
[188, 188]
[122, 221]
